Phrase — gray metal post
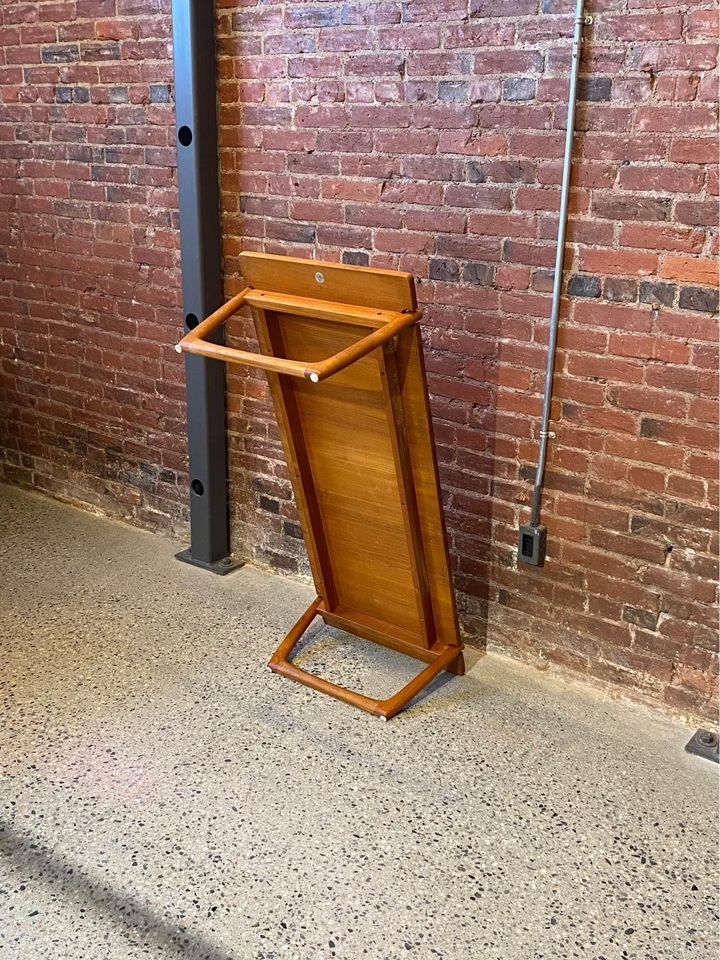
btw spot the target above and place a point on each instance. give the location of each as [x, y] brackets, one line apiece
[201, 256]
[532, 535]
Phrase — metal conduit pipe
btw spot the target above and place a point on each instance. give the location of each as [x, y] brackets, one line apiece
[531, 547]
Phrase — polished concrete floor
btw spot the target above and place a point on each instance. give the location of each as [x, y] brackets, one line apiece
[163, 795]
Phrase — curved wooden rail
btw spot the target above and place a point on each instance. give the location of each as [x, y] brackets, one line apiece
[388, 324]
[279, 663]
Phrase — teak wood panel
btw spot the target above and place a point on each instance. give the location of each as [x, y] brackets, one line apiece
[364, 475]
[341, 440]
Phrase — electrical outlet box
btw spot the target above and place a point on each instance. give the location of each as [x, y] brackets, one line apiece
[531, 544]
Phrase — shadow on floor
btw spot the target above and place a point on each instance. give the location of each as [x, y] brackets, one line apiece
[139, 919]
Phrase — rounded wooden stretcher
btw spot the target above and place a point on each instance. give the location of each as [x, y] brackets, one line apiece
[343, 355]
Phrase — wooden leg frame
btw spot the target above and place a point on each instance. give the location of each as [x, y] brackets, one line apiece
[448, 658]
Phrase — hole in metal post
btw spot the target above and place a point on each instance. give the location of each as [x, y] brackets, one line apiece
[197, 487]
[185, 136]
[191, 321]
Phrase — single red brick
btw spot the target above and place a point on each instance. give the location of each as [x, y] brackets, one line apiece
[646, 451]
[644, 26]
[662, 237]
[702, 25]
[618, 262]
[690, 269]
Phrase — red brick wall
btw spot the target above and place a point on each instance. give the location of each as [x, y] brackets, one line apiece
[427, 136]
[91, 395]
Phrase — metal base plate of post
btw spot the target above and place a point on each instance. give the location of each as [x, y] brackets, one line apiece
[704, 743]
[221, 567]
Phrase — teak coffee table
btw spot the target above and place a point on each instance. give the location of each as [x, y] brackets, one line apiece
[344, 361]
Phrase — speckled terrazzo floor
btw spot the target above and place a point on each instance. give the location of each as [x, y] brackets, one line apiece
[163, 795]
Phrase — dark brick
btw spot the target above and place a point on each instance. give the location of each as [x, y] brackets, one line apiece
[310, 162]
[583, 285]
[701, 299]
[65, 53]
[81, 95]
[113, 155]
[288, 230]
[500, 171]
[641, 618]
[362, 13]
[649, 428]
[279, 560]
[444, 270]
[453, 91]
[620, 290]
[96, 8]
[480, 273]
[638, 522]
[660, 294]
[357, 258]
[267, 503]
[71, 135]
[309, 17]
[696, 213]
[687, 513]
[64, 94]
[109, 50]
[502, 8]
[86, 154]
[291, 529]
[116, 194]
[160, 93]
[519, 88]
[594, 88]
[633, 208]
